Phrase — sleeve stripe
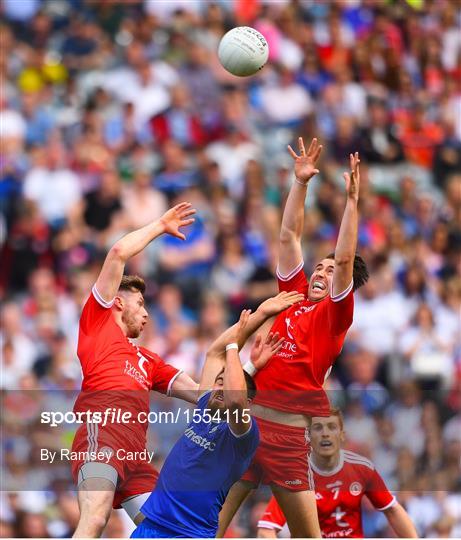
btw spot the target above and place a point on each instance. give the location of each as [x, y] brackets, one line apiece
[394, 500]
[343, 295]
[240, 435]
[263, 524]
[172, 380]
[290, 274]
[100, 300]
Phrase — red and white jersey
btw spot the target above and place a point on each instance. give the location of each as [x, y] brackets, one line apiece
[314, 333]
[339, 496]
[117, 373]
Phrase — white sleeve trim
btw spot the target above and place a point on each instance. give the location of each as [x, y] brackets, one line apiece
[290, 274]
[240, 435]
[394, 500]
[100, 300]
[343, 295]
[172, 380]
[263, 524]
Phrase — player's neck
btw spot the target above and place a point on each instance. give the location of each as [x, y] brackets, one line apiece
[121, 324]
[326, 463]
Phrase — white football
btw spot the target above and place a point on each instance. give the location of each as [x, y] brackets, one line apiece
[243, 51]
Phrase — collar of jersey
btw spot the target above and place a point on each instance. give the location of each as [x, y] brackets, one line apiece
[333, 471]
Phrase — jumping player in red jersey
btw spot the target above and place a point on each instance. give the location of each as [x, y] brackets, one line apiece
[290, 386]
[110, 469]
[342, 479]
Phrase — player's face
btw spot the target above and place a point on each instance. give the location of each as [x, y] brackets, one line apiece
[326, 435]
[321, 280]
[134, 314]
[216, 400]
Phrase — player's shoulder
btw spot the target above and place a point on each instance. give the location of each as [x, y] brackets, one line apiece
[150, 355]
[358, 461]
[347, 293]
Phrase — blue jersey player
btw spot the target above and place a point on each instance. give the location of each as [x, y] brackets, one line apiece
[218, 445]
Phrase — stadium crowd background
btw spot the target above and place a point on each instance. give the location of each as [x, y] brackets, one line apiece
[110, 113]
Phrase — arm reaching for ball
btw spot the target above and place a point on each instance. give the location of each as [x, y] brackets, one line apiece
[290, 256]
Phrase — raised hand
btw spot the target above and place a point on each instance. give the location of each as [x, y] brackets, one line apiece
[262, 351]
[305, 163]
[177, 217]
[237, 331]
[353, 179]
[278, 303]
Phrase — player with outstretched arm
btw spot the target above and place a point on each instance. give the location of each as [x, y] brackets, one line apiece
[217, 447]
[290, 386]
[117, 373]
[342, 479]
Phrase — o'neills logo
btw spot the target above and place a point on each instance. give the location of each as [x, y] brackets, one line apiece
[203, 442]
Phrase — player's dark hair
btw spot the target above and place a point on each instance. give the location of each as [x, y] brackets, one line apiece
[132, 284]
[251, 385]
[360, 272]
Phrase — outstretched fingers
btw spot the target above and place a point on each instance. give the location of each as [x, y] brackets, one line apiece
[302, 150]
[244, 316]
[278, 345]
[188, 212]
[316, 154]
[185, 222]
[354, 161]
[291, 297]
[182, 206]
[294, 155]
[312, 146]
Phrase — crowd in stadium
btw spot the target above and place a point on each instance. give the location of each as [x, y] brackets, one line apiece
[111, 113]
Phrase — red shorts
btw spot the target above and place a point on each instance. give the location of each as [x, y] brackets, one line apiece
[135, 476]
[282, 457]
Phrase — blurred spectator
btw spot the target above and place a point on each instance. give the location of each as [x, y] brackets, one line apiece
[179, 121]
[18, 351]
[363, 367]
[232, 155]
[427, 347]
[378, 143]
[55, 202]
[419, 138]
[176, 174]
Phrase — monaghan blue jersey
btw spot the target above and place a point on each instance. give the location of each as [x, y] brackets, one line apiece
[197, 475]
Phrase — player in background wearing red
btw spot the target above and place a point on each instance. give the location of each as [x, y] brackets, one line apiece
[117, 373]
[290, 386]
[342, 479]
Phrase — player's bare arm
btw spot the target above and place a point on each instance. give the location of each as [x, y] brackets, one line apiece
[290, 254]
[133, 243]
[215, 357]
[347, 238]
[235, 393]
[400, 522]
[185, 388]
[267, 309]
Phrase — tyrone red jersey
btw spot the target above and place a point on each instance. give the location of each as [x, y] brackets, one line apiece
[339, 495]
[314, 333]
[117, 373]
